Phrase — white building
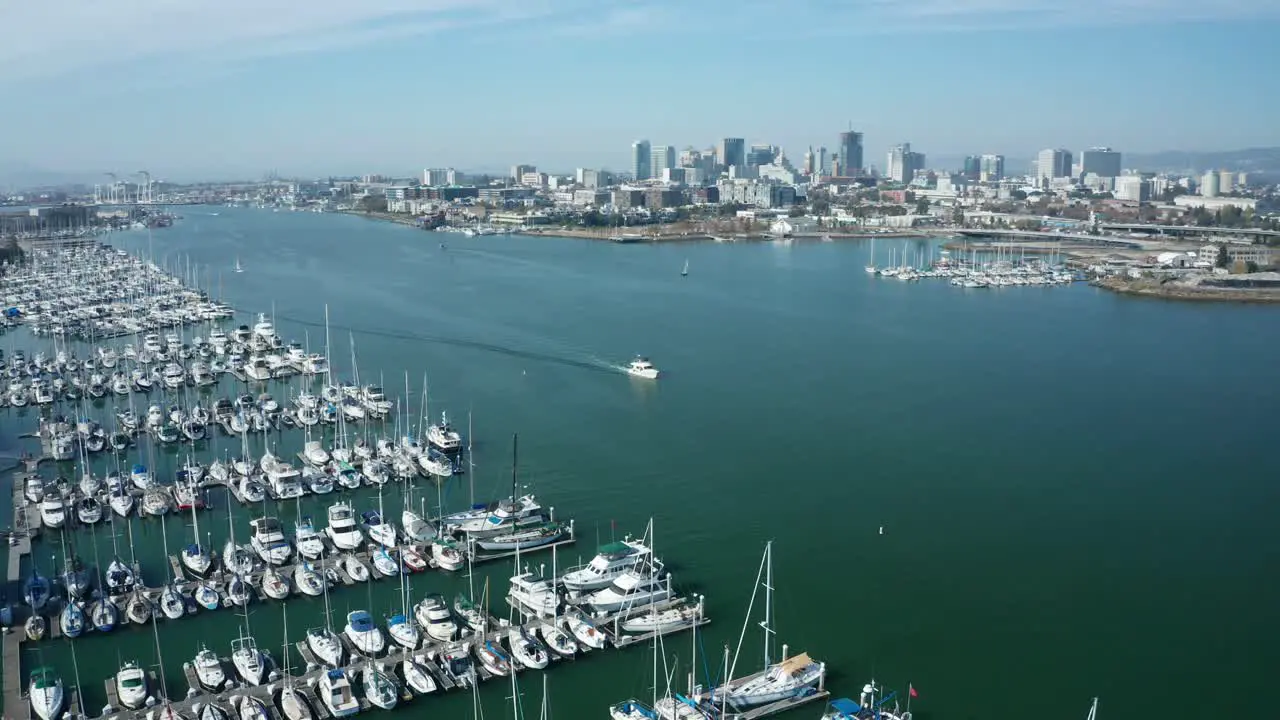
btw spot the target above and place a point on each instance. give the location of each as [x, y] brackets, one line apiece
[1209, 184]
[1053, 164]
[1132, 188]
[1214, 203]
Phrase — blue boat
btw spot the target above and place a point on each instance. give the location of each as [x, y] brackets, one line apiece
[71, 620]
[104, 615]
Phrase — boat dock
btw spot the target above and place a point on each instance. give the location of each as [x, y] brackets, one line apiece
[24, 526]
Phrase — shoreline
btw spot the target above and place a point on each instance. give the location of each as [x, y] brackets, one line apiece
[1168, 291]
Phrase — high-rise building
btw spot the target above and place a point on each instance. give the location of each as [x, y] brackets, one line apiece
[689, 157]
[1210, 184]
[991, 168]
[902, 164]
[663, 157]
[435, 176]
[972, 168]
[1133, 188]
[1101, 161]
[820, 162]
[733, 153]
[454, 177]
[807, 164]
[1053, 164]
[519, 171]
[1226, 181]
[761, 155]
[641, 157]
[850, 152]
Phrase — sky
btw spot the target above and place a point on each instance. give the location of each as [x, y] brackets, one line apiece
[220, 89]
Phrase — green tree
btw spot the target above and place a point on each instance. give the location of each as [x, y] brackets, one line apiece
[922, 206]
[1251, 267]
[373, 203]
[1224, 260]
[795, 211]
[1018, 195]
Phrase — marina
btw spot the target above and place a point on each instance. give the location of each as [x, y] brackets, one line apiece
[608, 450]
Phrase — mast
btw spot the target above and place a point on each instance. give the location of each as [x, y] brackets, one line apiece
[768, 600]
[471, 465]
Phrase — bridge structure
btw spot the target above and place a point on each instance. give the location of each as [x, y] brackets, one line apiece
[1185, 230]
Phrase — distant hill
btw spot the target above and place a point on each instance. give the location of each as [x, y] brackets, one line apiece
[1259, 160]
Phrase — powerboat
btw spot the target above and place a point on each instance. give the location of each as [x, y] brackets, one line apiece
[434, 617]
[534, 594]
[53, 511]
[315, 453]
[46, 694]
[334, 690]
[628, 591]
[269, 542]
[364, 634]
[447, 555]
[443, 436]
[611, 561]
[343, 529]
[131, 686]
[209, 670]
[642, 368]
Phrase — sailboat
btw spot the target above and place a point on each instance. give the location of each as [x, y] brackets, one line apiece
[249, 661]
[789, 678]
[195, 558]
[238, 267]
[685, 271]
[293, 703]
[323, 641]
[400, 626]
[634, 709]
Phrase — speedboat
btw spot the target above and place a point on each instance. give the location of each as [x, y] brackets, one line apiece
[327, 646]
[307, 539]
[334, 690]
[269, 542]
[46, 694]
[792, 677]
[403, 632]
[411, 559]
[611, 561]
[209, 670]
[379, 688]
[343, 529]
[131, 685]
[380, 531]
[642, 368]
[628, 591]
[249, 661]
[364, 634]
[318, 482]
[434, 617]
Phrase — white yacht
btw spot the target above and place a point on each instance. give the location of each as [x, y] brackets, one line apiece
[789, 678]
[496, 518]
[131, 686]
[344, 529]
[315, 453]
[209, 670]
[248, 660]
[630, 590]
[534, 594]
[364, 634]
[443, 436]
[46, 693]
[327, 646]
[336, 693]
[308, 540]
[642, 368]
[379, 688]
[434, 617]
[403, 632]
[611, 561]
[53, 511]
[269, 542]
[379, 530]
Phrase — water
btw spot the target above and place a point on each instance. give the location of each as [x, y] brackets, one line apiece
[1070, 482]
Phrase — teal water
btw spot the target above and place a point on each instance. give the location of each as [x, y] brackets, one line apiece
[1072, 484]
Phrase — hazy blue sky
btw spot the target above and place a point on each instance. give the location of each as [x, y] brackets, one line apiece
[190, 88]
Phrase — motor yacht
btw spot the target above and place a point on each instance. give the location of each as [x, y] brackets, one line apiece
[443, 436]
[534, 594]
[630, 590]
[334, 690]
[269, 542]
[343, 530]
[131, 686]
[53, 511]
[642, 368]
[315, 453]
[611, 561]
[448, 555]
[45, 692]
[434, 617]
[209, 670]
[364, 635]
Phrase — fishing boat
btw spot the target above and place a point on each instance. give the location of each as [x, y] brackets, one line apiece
[379, 687]
[526, 538]
[131, 685]
[642, 368]
[492, 658]
[209, 671]
[364, 634]
[433, 615]
[630, 590]
[334, 690]
[343, 530]
[417, 677]
[72, 621]
[269, 542]
[249, 661]
[610, 562]
[44, 690]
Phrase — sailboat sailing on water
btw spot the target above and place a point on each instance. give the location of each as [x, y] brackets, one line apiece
[685, 272]
[239, 269]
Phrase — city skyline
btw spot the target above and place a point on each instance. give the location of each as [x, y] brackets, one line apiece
[197, 92]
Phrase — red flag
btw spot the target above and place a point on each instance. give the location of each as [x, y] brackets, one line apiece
[912, 691]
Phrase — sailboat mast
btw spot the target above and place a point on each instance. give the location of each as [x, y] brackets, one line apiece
[768, 600]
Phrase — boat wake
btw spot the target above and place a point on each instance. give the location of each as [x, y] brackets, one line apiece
[582, 364]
